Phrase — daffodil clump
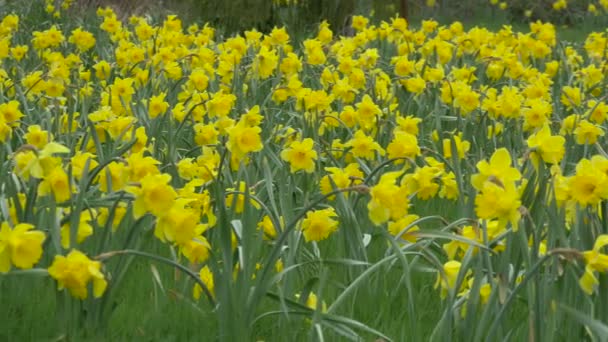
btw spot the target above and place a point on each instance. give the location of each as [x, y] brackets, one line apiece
[258, 163]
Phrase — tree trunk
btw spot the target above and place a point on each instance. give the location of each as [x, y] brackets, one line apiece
[403, 9]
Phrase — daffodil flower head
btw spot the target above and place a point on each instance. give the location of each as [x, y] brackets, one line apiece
[595, 261]
[589, 185]
[301, 155]
[75, 271]
[448, 276]
[319, 224]
[37, 163]
[238, 199]
[550, 147]
[154, 195]
[499, 168]
[206, 276]
[20, 246]
[389, 200]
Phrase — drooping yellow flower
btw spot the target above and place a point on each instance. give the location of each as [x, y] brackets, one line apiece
[544, 32]
[179, 224]
[467, 100]
[598, 111]
[423, 182]
[83, 40]
[291, 65]
[571, 97]
[205, 134]
[20, 246]
[403, 66]
[499, 168]
[84, 228]
[196, 250]
[56, 182]
[560, 5]
[243, 139]
[408, 124]
[102, 69]
[449, 186]
[340, 179]
[122, 89]
[569, 124]
[269, 229]
[397, 227]
[549, 147]
[447, 279]
[265, 62]
[367, 111]
[500, 202]
[364, 146]
[536, 114]
[301, 155]
[121, 128]
[312, 302]
[595, 262]
[5, 131]
[36, 136]
[207, 278]
[118, 215]
[75, 271]
[79, 161]
[111, 24]
[415, 85]
[49, 38]
[157, 105]
[403, 145]
[325, 34]
[238, 200]
[317, 101]
[359, 22]
[388, 199]
[462, 146]
[139, 166]
[588, 281]
[253, 116]
[509, 102]
[429, 26]
[154, 195]
[495, 130]
[589, 185]
[591, 76]
[587, 133]
[19, 51]
[10, 112]
[457, 248]
[551, 68]
[319, 224]
[279, 36]
[113, 177]
[203, 168]
[198, 79]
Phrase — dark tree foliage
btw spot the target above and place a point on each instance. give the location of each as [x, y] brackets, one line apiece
[239, 15]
